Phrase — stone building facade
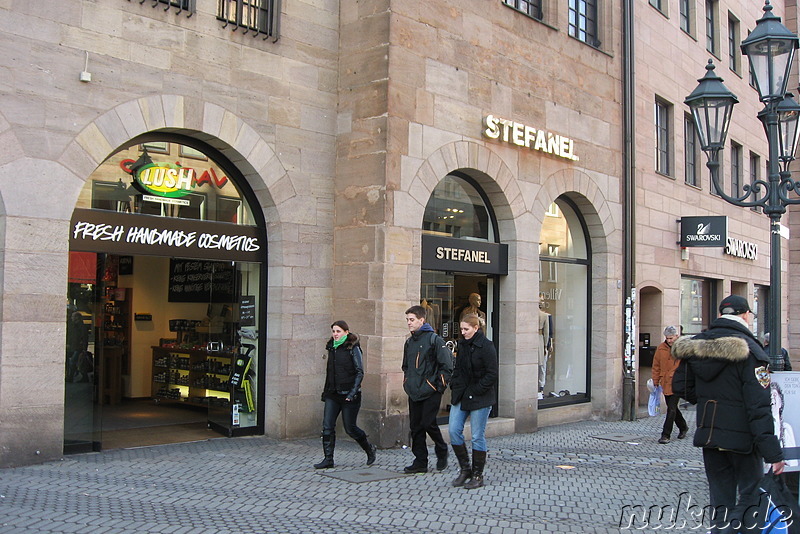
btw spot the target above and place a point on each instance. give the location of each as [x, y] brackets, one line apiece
[351, 130]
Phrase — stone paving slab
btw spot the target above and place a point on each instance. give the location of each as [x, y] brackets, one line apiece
[259, 485]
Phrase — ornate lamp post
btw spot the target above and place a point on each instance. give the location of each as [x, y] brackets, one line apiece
[770, 49]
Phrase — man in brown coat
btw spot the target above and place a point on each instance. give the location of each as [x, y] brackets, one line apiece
[664, 366]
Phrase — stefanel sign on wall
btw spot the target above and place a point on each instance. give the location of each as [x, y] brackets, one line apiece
[710, 231]
[132, 234]
[452, 254]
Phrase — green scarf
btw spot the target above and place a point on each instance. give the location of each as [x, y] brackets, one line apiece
[338, 343]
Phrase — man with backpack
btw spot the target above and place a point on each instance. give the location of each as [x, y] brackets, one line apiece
[427, 366]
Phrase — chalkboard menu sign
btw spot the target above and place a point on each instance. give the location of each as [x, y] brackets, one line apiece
[247, 310]
[201, 281]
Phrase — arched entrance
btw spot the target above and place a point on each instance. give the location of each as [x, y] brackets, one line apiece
[165, 299]
[461, 259]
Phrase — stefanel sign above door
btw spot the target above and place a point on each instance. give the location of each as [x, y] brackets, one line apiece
[132, 234]
[462, 255]
[522, 135]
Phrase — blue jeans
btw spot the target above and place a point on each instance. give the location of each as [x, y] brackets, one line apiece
[335, 403]
[477, 421]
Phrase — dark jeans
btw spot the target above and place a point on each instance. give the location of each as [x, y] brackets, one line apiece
[674, 415]
[335, 403]
[422, 415]
[726, 472]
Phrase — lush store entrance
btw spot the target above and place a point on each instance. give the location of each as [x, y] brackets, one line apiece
[166, 285]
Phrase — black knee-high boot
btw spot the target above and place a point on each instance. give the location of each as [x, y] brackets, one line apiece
[328, 444]
[463, 462]
[369, 448]
[478, 462]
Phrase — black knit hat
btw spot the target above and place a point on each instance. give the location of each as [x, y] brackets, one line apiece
[734, 305]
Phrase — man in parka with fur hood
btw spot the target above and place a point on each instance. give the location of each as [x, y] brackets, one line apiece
[725, 372]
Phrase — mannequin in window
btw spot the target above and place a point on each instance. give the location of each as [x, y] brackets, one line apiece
[433, 317]
[474, 307]
[544, 346]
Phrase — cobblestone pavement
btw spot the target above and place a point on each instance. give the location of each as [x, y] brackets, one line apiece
[559, 479]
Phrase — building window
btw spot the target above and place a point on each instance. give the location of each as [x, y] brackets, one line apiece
[734, 52]
[691, 151]
[258, 16]
[711, 27]
[698, 298]
[663, 135]
[583, 21]
[180, 6]
[659, 5]
[685, 16]
[564, 303]
[532, 8]
[736, 169]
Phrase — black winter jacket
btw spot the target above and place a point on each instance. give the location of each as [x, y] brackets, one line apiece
[427, 364]
[725, 372]
[345, 368]
[474, 382]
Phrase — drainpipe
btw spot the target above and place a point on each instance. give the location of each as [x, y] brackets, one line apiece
[629, 215]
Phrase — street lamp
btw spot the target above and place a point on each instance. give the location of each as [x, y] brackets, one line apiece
[770, 49]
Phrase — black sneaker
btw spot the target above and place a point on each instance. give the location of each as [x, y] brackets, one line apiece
[413, 469]
[441, 463]
[682, 433]
[663, 440]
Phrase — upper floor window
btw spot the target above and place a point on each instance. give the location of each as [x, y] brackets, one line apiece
[736, 169]
[258, 16]
[663, 135]
[755, 172]
[583, 21]
[180, 5]
[734, 51]
[686, 15]
[532, 8]
[712, 29]
[690, 151]
[660, 5]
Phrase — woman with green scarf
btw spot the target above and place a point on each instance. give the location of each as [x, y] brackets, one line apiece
[342, 392]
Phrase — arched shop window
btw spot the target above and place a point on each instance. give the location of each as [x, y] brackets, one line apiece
[564, 306]
[165, 294]
[461, 261]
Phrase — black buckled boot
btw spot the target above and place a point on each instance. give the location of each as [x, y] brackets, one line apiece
[328, 444]
[463, 462]
[369, 448]
[478, 462]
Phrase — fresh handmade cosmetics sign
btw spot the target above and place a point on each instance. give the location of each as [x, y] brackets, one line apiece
[131, 234]
[522, 135]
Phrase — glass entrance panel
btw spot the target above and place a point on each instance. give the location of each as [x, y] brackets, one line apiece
[696, 303]
[81, 414]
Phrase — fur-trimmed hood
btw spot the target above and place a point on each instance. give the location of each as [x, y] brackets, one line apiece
[729, 348]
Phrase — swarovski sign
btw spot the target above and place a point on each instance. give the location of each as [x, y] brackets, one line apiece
[709, 231]
[741, 249]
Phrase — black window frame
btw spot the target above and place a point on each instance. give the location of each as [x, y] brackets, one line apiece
[691, 152]
[663, 134]
[685, 16]
[734, 42]
[712, 23]
[583, 21]
[532, 8]
[736, 168]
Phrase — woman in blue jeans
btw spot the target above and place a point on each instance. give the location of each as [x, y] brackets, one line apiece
[342, 392]
[474, 387]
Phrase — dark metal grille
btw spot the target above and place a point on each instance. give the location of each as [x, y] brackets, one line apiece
[180, 5]
[257, 16]
[532, 8]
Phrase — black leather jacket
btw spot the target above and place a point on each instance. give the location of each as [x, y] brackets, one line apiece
[725, 372]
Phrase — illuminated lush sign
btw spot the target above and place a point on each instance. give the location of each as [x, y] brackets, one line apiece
[165, 179]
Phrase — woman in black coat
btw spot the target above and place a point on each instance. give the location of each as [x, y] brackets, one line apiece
[342, 392]
[474, 387]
